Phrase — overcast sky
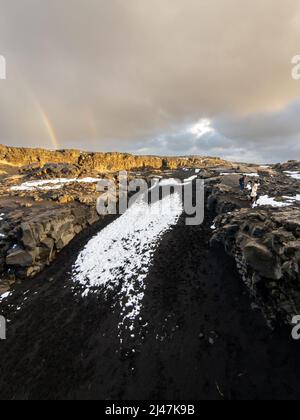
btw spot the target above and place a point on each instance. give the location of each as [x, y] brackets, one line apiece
[171, 77]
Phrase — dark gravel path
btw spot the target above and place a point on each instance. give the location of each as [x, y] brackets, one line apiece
[197, 337]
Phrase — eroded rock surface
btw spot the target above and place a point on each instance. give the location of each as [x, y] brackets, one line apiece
[100, 162]
[264, 240]
[32, 235]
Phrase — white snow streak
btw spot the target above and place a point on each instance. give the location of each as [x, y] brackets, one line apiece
[119, 257]
[4, 296]
[52, 184]
[293, 174]
[250, 175]
[265, 200]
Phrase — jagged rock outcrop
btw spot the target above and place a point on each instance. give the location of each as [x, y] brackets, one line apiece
[291, 165]
[266, 246]
[31, 241]
[265, 241]
[100, 162]
[51, 170]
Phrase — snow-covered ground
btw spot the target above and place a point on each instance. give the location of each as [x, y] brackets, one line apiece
[51, 184]
[252, 175]
[119, 257]
[265, 200]
[4, 296]
[293, 174]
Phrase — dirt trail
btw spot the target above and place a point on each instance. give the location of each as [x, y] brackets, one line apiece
[196, 338]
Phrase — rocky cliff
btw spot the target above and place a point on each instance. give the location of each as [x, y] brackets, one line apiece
[101, 162]
[264, 239]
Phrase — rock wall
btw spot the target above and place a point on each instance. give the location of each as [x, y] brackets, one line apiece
[32, 242]
[101, 162]
[265, 243]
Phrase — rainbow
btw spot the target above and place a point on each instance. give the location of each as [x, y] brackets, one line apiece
[42, 113]
[49, 128]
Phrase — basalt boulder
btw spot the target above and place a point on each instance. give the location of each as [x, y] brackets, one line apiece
[266, 246]
[262, 260]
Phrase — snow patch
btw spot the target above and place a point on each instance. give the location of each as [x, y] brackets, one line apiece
[293, 174]
[118, 258]
[265, 200]
[4, 296]
[252, 175]
[52, 184]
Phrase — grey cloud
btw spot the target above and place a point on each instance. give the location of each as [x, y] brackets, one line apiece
[259, 137]
[262, 126]
[119, 75]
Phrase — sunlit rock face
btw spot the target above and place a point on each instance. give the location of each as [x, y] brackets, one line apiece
[102, 162]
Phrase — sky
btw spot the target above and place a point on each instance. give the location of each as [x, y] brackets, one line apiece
[162, 77]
